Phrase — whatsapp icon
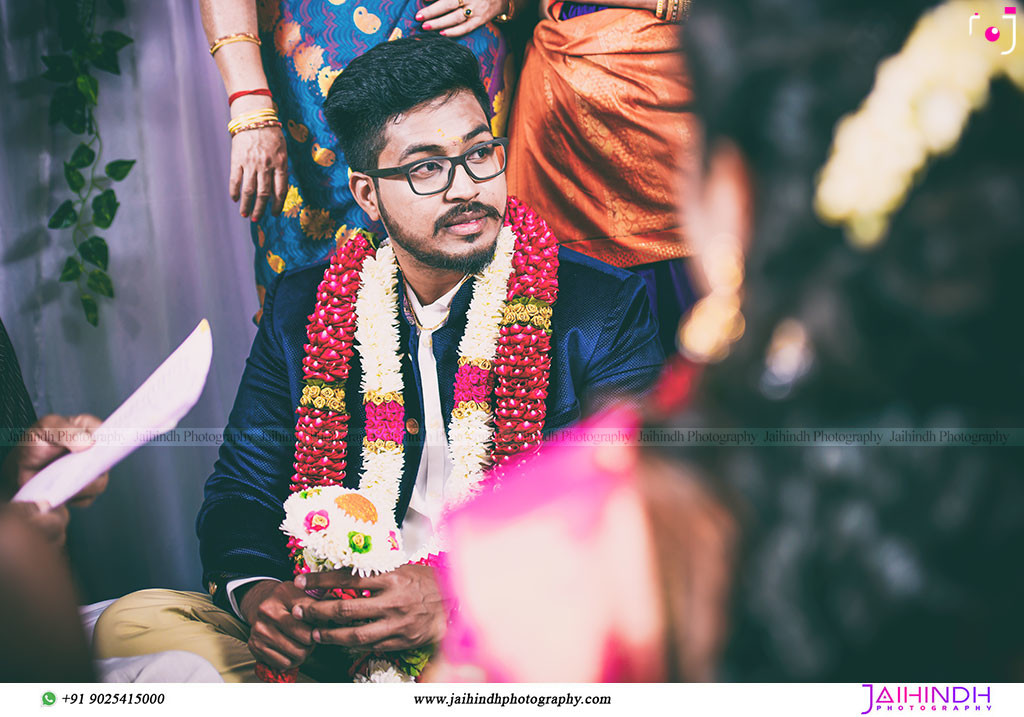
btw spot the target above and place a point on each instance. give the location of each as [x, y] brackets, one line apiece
[49, 698]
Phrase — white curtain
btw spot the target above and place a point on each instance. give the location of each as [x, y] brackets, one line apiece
[179, 252]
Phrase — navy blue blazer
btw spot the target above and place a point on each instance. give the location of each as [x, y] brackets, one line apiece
[604, 344]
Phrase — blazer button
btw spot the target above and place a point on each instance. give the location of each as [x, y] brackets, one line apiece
[412, 426]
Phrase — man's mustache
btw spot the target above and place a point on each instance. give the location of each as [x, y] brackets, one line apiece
[454, 213]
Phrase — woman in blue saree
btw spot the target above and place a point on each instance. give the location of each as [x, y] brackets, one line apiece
[287, 171]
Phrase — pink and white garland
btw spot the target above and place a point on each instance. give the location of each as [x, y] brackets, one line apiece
[505, 351]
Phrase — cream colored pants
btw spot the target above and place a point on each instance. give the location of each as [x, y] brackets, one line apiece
[151, 621]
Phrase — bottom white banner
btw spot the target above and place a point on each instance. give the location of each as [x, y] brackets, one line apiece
[791, 700]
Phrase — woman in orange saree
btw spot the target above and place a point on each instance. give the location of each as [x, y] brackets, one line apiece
[601, 118]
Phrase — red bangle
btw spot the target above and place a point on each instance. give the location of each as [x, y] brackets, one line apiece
[243, 93]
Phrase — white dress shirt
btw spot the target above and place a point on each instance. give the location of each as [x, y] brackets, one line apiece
[427, 502]
[436, 466]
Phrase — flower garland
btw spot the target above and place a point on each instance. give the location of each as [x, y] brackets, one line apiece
[505, 351]
[378, 344]
[321, 431]
[523, 363]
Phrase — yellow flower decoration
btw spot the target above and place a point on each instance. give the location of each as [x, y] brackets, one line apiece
[539, 316]
[377, 398]
[333, 399]
[501, 105]
[343, 234]
[323, 156]
[325, 78]
[287, 37]
[479, 363]
[467, 407]
[298, 131]
[379, 446]
[276, 263]
[500, 117]
[316, 223]
[365, 20]
[309, 58]
[292, 202]
[357, 506]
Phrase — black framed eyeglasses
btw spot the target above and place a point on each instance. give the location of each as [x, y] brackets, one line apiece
[435, 174]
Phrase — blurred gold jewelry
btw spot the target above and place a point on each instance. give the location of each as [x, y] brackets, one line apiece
[510, 12]
[255, 125]
[715, 322]
[248, 119]
[255, 115]
[659, 11]
[469, 11]
[237, 37]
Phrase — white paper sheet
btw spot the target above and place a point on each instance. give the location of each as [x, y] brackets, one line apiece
[155, 408]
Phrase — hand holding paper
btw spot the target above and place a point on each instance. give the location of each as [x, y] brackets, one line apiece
[155, 408]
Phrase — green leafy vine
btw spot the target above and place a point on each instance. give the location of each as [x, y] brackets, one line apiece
[73, 104]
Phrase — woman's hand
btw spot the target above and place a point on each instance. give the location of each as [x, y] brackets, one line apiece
[450, 15]
[259, 171]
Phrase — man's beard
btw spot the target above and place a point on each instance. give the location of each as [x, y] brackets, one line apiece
[472, 263]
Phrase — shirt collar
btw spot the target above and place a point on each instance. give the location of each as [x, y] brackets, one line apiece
[431, 312]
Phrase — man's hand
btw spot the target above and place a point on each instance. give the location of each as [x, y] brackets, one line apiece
[45, 441]
[276, 638]
[404, 610]
[52, 524]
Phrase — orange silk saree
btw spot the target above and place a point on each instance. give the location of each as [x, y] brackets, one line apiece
[600, 125]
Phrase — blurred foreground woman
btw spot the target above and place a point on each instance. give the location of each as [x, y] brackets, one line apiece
[869, 155]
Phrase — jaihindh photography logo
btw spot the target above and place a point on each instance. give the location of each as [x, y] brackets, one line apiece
[926, 698]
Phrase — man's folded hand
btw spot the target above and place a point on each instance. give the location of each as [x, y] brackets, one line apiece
[276, 638]
[404, 609]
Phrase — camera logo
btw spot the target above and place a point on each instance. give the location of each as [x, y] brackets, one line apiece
[992, 34]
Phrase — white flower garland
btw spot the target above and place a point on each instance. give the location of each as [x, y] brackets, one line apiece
[383, 671]
[377, 340]
[470, 433]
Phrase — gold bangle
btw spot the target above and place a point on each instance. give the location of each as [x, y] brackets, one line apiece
[659, 11]
[675, 10]
[255, 125]
[255, 113]
[267, 115]
[252, 117]
[237, 37]
[510, 12]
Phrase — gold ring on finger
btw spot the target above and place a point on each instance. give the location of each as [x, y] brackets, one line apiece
[462, 3]
[468, 11]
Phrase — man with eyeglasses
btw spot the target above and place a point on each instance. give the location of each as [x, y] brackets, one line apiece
[412, 118]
